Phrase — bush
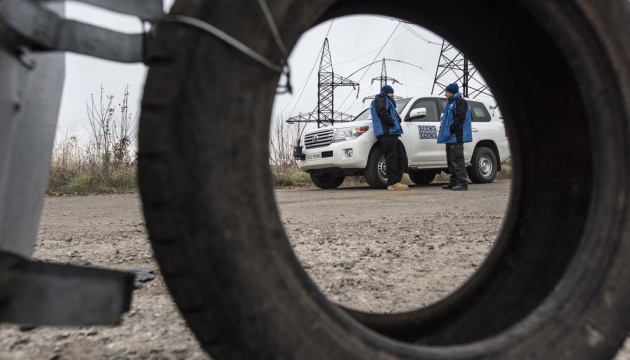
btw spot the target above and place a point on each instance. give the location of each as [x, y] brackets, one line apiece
[74, 172]
[106, 162]
[290, 177]
[506, 171]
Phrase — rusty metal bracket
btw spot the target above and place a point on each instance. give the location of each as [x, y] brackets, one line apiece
[53, 294]
[45, 30]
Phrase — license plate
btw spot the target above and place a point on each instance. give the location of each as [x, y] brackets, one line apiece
[313, 156]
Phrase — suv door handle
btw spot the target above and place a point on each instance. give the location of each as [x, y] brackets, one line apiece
[475, 130]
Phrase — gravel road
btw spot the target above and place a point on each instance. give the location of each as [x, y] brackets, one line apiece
[367, 249]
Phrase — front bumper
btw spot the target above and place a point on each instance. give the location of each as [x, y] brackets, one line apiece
[336, 155]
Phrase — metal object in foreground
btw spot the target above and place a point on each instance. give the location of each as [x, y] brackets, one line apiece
[52, 294]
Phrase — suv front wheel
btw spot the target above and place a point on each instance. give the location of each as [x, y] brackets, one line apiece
[376, 171]
[484, 166]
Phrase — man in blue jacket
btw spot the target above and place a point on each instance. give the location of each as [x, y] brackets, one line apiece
[387, 128]
[456, 129]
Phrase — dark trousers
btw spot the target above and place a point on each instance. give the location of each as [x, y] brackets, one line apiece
[456, 163]
[394, 157]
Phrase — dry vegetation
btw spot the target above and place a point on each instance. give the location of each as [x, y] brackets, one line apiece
[106, 162]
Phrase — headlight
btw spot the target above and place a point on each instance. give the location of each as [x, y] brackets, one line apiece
[349, 133]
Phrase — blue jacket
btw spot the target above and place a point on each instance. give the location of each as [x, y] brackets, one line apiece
[456, 122]
[385, 118]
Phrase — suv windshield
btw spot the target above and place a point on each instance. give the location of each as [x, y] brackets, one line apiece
[367, 114]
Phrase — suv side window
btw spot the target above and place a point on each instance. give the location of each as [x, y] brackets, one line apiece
[479, 112]
[442, 104]
[430, 105]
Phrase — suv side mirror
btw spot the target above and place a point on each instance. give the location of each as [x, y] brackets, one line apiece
[418, 113]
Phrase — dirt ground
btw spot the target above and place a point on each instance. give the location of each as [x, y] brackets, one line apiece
[366, 249]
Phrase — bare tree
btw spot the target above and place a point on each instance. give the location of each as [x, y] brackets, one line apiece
[111, 137]
[282, 138]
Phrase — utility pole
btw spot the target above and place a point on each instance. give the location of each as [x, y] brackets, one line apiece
[455, 67]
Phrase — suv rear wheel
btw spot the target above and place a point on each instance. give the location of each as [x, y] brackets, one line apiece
[326, 181]
[484, 166]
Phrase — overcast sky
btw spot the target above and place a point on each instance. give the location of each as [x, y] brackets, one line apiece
[355, 42]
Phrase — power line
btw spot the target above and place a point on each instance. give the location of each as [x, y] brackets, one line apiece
[419, 87]
[402, 56]
[379, 52]
[340, 51]
[410, 64]
[412, 31]
[368, 53]
[405, 24]
[330, 27]
[395, 60]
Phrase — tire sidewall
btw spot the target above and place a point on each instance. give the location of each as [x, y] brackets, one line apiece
[296, 319]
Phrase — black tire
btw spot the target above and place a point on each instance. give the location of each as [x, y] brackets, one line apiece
[556, 284]
[376, 171]
[484, 166]
[326, 181]
[422, 177]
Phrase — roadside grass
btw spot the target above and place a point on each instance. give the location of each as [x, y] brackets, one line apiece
[75, 172]
[289, 177]
[77, 176]
[121, 183]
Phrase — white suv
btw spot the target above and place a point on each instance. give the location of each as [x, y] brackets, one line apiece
[351, 149]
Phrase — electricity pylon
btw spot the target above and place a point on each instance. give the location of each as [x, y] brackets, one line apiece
[327, 82]
[383, 79]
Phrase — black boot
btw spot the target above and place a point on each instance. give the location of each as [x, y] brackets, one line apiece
[447, 186]
[460, 187]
